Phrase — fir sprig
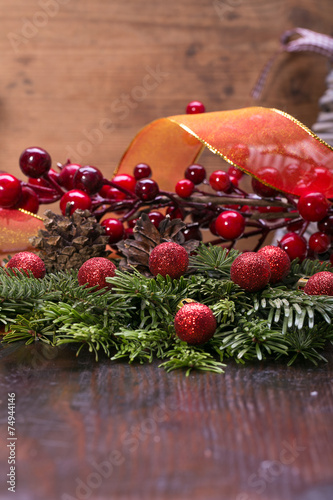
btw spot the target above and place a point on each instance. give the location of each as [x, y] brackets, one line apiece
[215, 261]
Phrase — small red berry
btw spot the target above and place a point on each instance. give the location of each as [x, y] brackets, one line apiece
[313, 206]
[88, 179]
[192, 233]
[28, 261]
[263, 190]
[142, 171]
[146, 189]
[230, 225]
[220, 180]
[326, 225]
[156, 218]
[195, 107]
[10, 190]
[34, 162]
[184, 188]
[125, 181]
[175, 213]
[112, 194]
[29, 200]
[77, 199]
[114, 229]
[195, 173]
[294, 245]
[269, 175]
[319, 242]
[66, 176]
[168, 258]
[235, 172]
[95, 271]
[195, 323]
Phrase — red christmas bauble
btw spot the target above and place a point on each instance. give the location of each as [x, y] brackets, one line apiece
[320, 284]
[278, 261]
[94, 271]
[250, 271]
[168, 258]
[28, 261]
[195, 323]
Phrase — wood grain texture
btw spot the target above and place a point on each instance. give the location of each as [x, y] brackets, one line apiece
[110, 430]
[74, 73]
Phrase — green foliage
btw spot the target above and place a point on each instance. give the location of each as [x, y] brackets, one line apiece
[135, 319]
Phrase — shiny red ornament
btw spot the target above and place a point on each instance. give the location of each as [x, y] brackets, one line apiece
[320, 284]
[168, 258]
[250, 271]
[195, 323]
[94, 271]
[278, 261]
[28, 261]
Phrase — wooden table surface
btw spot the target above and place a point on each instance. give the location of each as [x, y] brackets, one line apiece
[105, 430]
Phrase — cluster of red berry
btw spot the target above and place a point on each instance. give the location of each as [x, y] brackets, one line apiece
[219, 204]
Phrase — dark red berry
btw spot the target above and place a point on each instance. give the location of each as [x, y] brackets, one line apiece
[131, 223]
[319, 242]
[156, 218]
[195, 107]
[142, 171]
[192, 233]
[114, 229]
[195, 173]
[313, 206]
[66, 176]
[146, 189]
[294, 245]
[184, 188]
[77, 199]
[10, 190]
[88, 179]
[326, 225]
[175, 213]
[263, 190]
[125, 181]
[220, 180]
[212, 227]
[230, 225]
[29, 200]
[34, 162]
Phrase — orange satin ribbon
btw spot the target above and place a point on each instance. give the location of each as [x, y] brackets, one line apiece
[267, 143]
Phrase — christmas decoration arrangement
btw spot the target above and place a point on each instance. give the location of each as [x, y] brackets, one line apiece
[147, 265]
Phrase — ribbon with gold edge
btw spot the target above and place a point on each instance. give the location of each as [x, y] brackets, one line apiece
[268, 144]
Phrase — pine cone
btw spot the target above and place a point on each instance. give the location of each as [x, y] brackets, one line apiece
[68, 242]
[136, 251]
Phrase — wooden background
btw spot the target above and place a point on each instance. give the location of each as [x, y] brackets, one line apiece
[74, 72]
[258, 432]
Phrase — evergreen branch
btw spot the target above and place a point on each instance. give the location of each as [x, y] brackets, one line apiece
[213, 260]
[141, 345]
[291, 308]
[306, 268]
[308, 341]
[185, 356]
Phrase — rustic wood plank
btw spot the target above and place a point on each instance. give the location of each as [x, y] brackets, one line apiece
[260, 431]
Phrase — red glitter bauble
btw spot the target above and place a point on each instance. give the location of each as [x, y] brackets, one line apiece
[94, 271]
[320, 284]
[28, 261]
[250, 271]
[168, 259]
[278, 261]
[195, 323]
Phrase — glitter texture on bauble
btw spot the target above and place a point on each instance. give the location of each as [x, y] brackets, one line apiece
[168, 258]
[278, 261]
[195, 323]
[94, 271]
[320, 284]
[250, 271]
[28, 261]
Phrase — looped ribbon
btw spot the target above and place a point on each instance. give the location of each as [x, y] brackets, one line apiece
[268, 144]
